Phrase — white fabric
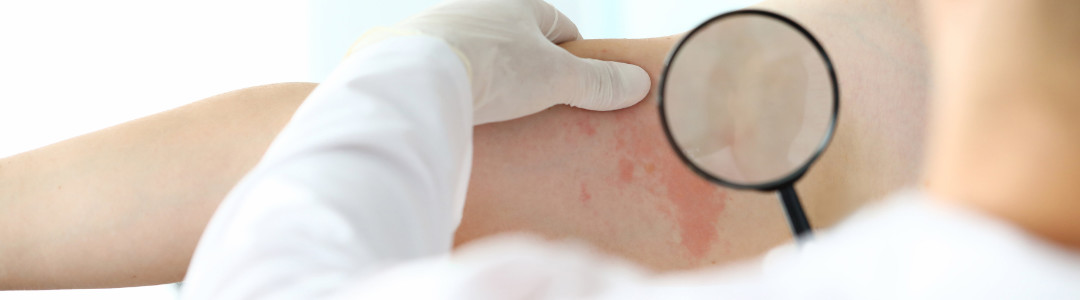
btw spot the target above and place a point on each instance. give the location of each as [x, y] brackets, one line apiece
[371, 170]
[907, 248]
[358, 199]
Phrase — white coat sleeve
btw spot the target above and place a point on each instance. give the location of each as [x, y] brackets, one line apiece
[371, 171]
[359, 196]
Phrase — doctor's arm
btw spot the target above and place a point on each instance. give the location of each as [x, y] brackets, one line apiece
[357, 199]
[125, 206]
[372, 169]
[513, 272]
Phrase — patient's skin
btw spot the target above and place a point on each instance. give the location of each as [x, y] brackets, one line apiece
[612, 179]
[124, 206]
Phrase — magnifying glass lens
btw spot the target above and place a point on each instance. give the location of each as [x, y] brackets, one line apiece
[749, 99]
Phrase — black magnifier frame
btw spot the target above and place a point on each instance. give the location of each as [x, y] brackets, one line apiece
[800, 225]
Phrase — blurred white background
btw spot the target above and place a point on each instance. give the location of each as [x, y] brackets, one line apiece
[73, 67]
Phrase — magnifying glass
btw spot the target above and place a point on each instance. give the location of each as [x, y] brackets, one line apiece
[749, 100]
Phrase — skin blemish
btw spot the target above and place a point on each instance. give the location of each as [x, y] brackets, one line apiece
[664, 209]
[586, 126]
[585, 196]
[650, 168]
[626, 170]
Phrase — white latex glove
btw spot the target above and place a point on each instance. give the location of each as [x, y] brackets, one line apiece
[515, 66]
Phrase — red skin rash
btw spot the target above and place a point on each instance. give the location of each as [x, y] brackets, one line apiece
[585, 127]
[626, 170]
[616, 184]
[697, 203]
[611, 179]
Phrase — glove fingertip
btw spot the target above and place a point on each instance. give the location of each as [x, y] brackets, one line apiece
[636, 84]
[617, 86]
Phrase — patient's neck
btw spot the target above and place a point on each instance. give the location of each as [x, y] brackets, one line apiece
[1007, 136]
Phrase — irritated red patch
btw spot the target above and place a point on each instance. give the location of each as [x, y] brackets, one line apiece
[626, 170]
[585, 126]
[697, 204]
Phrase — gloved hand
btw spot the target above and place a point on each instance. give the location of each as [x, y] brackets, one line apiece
[515, 67]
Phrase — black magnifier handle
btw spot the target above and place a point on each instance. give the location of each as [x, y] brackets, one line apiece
[800, 226]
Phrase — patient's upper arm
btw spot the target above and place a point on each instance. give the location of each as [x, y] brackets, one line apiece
[611, 178]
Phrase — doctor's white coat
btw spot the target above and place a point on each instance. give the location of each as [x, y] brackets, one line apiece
[359, 197]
